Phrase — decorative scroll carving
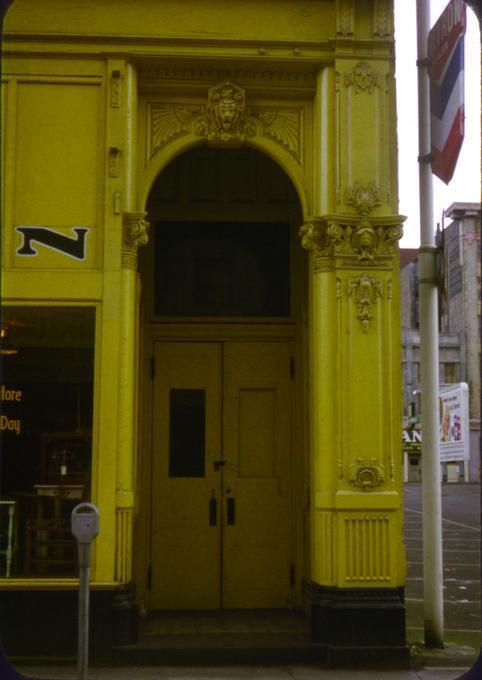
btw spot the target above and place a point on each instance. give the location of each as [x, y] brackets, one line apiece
[364, 290]
[168, 121]
[363, 243]
[115, 89]
[135, 233]
[382, 20]
[313, 234]
[367, 474]
[361, 240]
[283, 126]
[226, 119]
[362, 78]
[345, 19]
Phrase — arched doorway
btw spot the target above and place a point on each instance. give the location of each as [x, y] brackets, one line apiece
[223, 312]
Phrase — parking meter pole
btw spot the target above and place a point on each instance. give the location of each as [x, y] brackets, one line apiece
[85, 527]
[84, 578]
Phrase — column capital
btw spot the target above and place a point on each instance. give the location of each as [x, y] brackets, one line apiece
[135, 233]
[341, 241]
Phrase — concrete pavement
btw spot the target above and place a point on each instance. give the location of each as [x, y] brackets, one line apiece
[243, 673]
[462, 610]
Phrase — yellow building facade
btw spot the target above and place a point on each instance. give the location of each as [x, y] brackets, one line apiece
[201, 305]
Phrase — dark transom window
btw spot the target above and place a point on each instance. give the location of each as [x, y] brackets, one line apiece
[222, 269]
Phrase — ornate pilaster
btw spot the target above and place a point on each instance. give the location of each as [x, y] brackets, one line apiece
[357, 553]
[135, 233]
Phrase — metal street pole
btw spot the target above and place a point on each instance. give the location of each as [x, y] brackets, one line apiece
[429, 357]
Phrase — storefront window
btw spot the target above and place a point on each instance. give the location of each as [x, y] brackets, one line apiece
[47, 367]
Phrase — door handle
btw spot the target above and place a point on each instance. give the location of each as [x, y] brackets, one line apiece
[213, 511]
[231, 511]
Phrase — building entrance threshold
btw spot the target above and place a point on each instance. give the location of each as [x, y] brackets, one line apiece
[221, 637]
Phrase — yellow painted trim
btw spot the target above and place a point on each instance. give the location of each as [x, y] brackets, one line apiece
[384, 500]
[82, 286]
[52, 584]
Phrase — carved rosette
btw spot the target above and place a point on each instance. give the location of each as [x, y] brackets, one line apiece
[366, 473]
[364, 197]
[362, 78]
[226, 119]
[364, 290]
[135, 233]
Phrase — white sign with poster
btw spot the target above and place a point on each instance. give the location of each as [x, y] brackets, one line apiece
[454, 422]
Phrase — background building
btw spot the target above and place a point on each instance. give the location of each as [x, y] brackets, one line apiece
[459, 339]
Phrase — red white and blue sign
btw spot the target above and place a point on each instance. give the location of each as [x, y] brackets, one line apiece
[446, 71]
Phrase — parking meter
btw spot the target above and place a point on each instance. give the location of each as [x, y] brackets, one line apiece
[85, 522]
[85, 527]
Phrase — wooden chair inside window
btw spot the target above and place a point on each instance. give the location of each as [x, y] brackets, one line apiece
[8, 536]
[50, 547]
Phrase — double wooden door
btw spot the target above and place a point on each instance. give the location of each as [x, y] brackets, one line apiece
[221, 476]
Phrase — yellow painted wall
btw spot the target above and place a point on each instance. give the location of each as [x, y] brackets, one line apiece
[81, 148]
[291, 20]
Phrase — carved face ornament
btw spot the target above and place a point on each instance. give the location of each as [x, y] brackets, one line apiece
[227, 103]
[365, 241]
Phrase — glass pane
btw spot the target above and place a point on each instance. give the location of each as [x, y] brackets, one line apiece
[222, 269]
[46, 436]
[187, 416]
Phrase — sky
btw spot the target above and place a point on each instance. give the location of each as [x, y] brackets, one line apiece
[465, 185]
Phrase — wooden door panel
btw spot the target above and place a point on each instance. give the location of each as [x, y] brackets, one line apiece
[257, 452]
[186, 559]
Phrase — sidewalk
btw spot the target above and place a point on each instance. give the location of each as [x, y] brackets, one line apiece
[243, 673]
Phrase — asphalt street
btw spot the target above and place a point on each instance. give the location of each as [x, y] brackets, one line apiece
[461, 557]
